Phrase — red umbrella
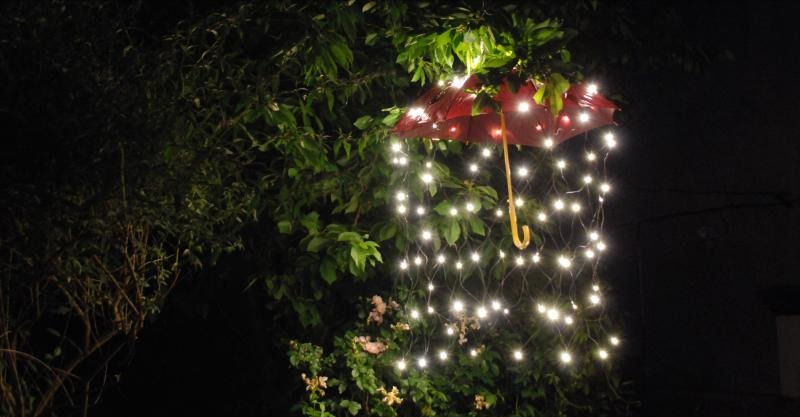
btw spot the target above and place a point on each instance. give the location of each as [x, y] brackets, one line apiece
[445, 112]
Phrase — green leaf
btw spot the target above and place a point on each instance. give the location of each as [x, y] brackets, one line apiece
[368, 6]
[328, 270]
[387, 231]
[285, 227]
[317, 243]
[452, 232]
[363, 122]
[351, 237]
[477, 226]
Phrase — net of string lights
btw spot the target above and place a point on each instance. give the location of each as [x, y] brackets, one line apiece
[464, 288]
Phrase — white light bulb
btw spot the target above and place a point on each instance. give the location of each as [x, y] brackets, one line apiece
[574, 307]
[453, 211]
[401, 196]
[440, 83]
[473, 167]
[486, 152]
[450, 331]
[565, 357]
[610, 141]
[522, 171]
[553, 314]
[429, 164]
[422, 362]
[523, 106]
[614, 340]
[396, 147]
[473, 353]
[417, 260]
[498, 213]
[541, 216]
[520, 261]
[575, 207]
[404, 265]
[430, 288]
[591, 156]
[442, 355]
[601, 246]
[414, 314]
[518, 202]
[475, 257]
[401, 365]
[505, 311]
[440, 259]
[558, 204]
[561, 164]
[602, 354]
[481, 312]
[501, 254]
[591, 89]
[420, 210]
[518, 355]
[470, 207]
[548, 143]
[458, 306]
[427, 235]
[587, 179]
[459, 265]
[583, 117]
[594, 299]
[541, 308]
[605, 187]
[395, 161]
[427, 178]
[416, 112]
[536, 258]
[430, 309]
[568, 320]
[589, 253]
[403, 161]
[594, 236]
[595, 288]
[458, 81]
[564, 262]
[496, 306]
[401, 208]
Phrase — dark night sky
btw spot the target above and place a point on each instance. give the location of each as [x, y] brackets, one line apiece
[704, 224]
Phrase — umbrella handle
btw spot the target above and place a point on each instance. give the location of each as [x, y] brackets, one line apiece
[512, 212]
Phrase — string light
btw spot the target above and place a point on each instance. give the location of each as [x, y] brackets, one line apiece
[401, 208]
[459, 265]
[575, 207]
[591, 89]
[587, 179]
[591, 157]
[593, 236]
[401, 196]
[565, 357]
[401, 365]
[568, 320]
[486, 152]
[501, 254]
[440, 83]
[561, 164]
[458, 306]
[470, 207]
[564, 262]
[440, 259]
[429, 164]
[481, 312]
[558, 204]
[442, 355]
[523, 106]
[614, 340]
[520, 261]
[415, 314]
[583, 117]
[498, 213]
[589, 253]
[601, 246]
[396, 147]
[553, 314]
[611, 143]
[595, 287]
[404, 265]
[416, 112]
[602, 354]
[402, 161]
[496, 306]
[475, 257]
[453, 212]
[518, 202]
[427, 178]
[536, 258]
[473, 167]
[548, 143]
[518, 355]
[430, 309]
[420, 210]
[430, 288]
[594, 299]
[473, 353]
[450, 331]
[422, 362]
[458, 81]
[541, 216]
[541, 308]
[522, 171]
[417, 260]
[427, 235]
[605, 187]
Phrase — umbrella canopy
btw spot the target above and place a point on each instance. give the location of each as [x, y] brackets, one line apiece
[445, 112]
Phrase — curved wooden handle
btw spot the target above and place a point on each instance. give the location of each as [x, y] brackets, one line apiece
[512, 212]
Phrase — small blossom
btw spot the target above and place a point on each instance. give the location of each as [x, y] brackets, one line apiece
[392, 397]
[375, 348]
[480, 403]
[398, 327]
